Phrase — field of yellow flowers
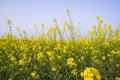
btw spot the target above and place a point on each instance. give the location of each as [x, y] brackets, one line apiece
[61, 54]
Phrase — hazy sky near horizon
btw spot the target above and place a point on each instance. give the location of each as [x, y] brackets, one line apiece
[26, 13]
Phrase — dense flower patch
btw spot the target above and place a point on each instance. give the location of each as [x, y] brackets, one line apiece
[61, 54]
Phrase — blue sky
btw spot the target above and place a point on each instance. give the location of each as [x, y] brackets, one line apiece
[25, 13]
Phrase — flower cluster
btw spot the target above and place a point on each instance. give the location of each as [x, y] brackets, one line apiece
[91, 74]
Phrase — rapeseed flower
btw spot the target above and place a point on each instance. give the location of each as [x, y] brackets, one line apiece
[54, 68]
[91, 73]
[42, 25]
[117, 78]
[40, 56]
[67, 10]
[65, 23]
[74, 72]
[54, 20]
[24, 32]
[12, 58]
[97, 17]
[101, 21]
[33, 74]
[103, 57]
[71, 62]
[8, 21]
[17, 28]
[21, 62]
[10, 78]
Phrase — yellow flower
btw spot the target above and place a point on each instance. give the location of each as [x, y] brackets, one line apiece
[105, 44]
[10, 78]
[79, 23]
[59, 57]
[74, 72]
[39, 56]
[17, 28]
[92, 32]
[117, 30]
[54, 20]
[82, 74]
[55, 29]
[21, 69]
[70, 62]
[42, 25]
[88, 78]
[90, 73]
[97, 17]
[105, 25]
[54, 68]
[24, 56]
[82, 58]
[67, 10]
[65, 23]
[108, 55]
[108, 27]
[33, 74]
[117, 65]
[8, 21]
[29, 59]
[51, 55]
[94, 26]
[101, 21]
[13, 58]
[103, 57]
[69, 27]
[117, 78]
[21, 62]
[24, 32]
